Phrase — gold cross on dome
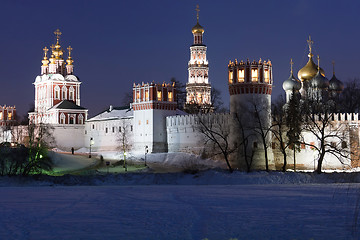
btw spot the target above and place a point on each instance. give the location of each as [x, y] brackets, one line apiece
[52, 47]
[333, 63]
[69, 48]
[45, 51]
[57, 33]
[318, 58]
[291, 64]
[310, 42]
[197, 9]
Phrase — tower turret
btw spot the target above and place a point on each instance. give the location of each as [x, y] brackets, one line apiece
[250, 87]
[198, 88]
[69, 66]
[197, 30]
[152, 103]
[45, 62]
[291, 84]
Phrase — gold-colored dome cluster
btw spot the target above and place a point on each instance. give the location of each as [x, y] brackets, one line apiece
[309, 71]
[197, 28]
[56, 52]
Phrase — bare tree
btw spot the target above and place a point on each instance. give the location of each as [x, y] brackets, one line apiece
[243, 134]
[280, 129]
[330, 134]
[123, 139]
[180, 93]
[349, 100]
[262, 128]
[127, 98]
[217, 133]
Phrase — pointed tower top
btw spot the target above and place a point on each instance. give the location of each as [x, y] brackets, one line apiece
[57, 34]
[310, 43]
[291, 66]
[333, 63]
[197, 28]
[69, 60]
[45, 49]
[197, 9]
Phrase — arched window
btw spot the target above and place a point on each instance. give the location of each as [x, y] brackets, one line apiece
[231, 77]
[71, 93]
[64, 92]
[57, 92]
[72, 119]
[254, 75]
[1, 116]
[81, 119]
[62, 118]
[241, 75]
[10, 116]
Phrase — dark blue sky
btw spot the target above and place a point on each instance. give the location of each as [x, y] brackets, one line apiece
[117, 43]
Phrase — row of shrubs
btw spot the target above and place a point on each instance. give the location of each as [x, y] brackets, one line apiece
[20, 160]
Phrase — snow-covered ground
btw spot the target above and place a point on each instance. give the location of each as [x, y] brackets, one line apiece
[212, 204]
[320, 211]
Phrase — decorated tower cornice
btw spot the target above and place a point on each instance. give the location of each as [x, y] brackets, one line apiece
[198, 88]
[250, 77]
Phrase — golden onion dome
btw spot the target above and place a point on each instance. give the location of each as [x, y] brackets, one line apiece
[45, 62]
[52, 59]
[69, 61]
[197, 28]
[309, 71]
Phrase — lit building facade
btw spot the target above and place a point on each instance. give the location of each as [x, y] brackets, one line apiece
[7, 115]
[198, 88]
[57, 90]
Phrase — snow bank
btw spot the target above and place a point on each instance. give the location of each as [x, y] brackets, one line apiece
[209, 177]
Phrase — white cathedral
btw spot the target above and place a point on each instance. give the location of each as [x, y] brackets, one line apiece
[153, 123]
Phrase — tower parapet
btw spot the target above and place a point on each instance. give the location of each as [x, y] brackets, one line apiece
[250, 77]
[154, 96]
[152, 103]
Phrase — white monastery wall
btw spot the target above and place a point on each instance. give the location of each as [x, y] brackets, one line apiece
[107, 134]
[68, 136]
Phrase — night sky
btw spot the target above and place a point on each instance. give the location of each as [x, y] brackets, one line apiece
[117, 43]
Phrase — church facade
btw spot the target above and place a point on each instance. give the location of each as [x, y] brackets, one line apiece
[57, 97]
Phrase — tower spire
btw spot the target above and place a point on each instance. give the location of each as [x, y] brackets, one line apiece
[310, 43]
[197, 9]
[333, 63]
[318, 59]
[69, 48]
[291, 66]
[45, 49]
[57, 34]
